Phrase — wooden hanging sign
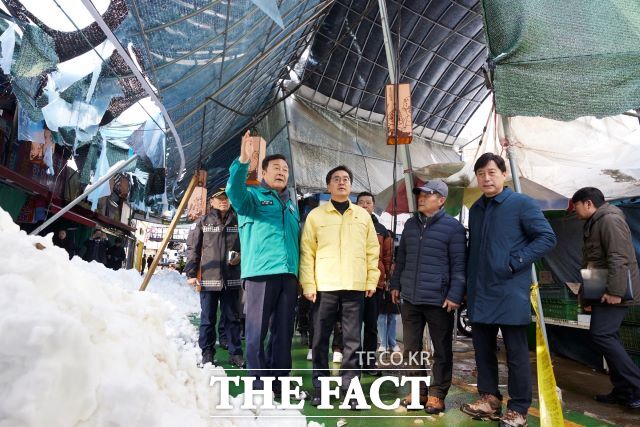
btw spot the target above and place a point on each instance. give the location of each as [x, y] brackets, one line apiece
[405, 124]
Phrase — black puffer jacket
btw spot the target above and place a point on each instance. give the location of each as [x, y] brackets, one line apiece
[431, 262]
[207, 245]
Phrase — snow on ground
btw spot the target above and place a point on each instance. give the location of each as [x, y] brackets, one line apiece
[80, 346]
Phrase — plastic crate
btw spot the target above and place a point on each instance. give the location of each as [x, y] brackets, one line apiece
[633, 316]
[556, 291]
[630, 336]
[565, 309]
[636, 358]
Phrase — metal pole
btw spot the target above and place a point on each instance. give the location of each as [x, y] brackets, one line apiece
[458, 346]
[136, 72]
[511, 155]
[405, 155]
[114, 169]
[172, 226]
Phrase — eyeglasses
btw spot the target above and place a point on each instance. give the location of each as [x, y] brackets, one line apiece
[338, 180]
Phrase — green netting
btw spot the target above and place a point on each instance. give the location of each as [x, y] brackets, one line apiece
[116, 153]
[36, 53]
[89, 163]
[564, 59]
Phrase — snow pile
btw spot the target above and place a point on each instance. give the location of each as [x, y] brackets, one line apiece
[172, 288]
[75, 350]
[80, 346]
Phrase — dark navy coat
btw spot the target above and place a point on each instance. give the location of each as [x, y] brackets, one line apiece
[430, 265]
[505, 238]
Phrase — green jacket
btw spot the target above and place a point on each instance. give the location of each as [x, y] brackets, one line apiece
[269, 230]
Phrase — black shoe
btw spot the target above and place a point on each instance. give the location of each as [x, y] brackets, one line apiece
[224, 345]
[237, 360]
[633, 403]
[353, 404]
[208, 356]
[372, 370]
[304, 339]
[315, 400]
[611, 398]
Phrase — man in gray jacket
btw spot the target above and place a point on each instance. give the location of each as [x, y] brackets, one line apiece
[213, 260]
[607, 245]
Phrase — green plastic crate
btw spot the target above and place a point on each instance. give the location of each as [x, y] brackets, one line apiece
[565, 309]
[633, 315]
[636, 358]
[630, 336]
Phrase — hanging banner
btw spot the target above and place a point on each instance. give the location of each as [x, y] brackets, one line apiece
[550, 407]
[197, 205]
[405, 124]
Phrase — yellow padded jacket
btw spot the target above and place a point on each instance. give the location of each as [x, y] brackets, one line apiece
[339, 252]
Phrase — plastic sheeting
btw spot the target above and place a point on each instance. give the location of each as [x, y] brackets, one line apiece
[564, 59]
[566, 156]
[321, 140]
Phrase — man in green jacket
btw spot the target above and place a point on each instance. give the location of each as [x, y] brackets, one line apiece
[269, 236]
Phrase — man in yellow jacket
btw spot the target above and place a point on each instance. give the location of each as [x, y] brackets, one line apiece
[338, 268]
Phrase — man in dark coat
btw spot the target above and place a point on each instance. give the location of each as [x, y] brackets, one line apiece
[608, 245]
[96, 248]
[507, 234]
[366, 200]
[430, 276]
[116, 255]
[213, 258]
[63, 241]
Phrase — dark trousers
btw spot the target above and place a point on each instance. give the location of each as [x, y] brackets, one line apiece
[271, 303]
[370, 321]
[414, 319]
[519, 368]
[222, 332]
[229, 311]
[605, 324]
[325, 312]
[336, 342]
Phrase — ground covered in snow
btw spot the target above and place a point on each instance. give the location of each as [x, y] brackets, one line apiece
[80, 346]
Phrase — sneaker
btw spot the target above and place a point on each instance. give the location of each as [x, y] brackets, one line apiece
[488, 407]
[406, 401]
[434, 405]
[224, 345]
[396, 349]
[512, 418]
[309, 355]
[237, 360]
[337, 357]
[381, 349]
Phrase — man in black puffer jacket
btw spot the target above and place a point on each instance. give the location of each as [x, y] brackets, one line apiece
[430, 277]
[208, 264]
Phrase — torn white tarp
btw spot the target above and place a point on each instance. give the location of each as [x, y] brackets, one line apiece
[8, 42]
[102, 168]
[565, 156]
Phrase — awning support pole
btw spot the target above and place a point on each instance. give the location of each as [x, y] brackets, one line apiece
[405, 156]
[172, 226]
[114, 170]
